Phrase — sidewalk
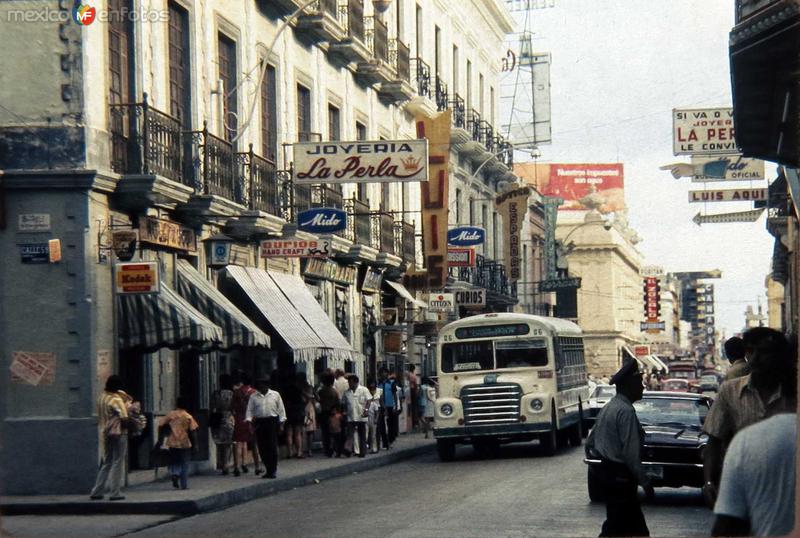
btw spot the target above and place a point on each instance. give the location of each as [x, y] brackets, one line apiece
[211, 492]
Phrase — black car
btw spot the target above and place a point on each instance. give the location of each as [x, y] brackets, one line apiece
[674, 441]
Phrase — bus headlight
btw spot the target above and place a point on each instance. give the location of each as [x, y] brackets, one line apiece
[446, 410]
[537, 404]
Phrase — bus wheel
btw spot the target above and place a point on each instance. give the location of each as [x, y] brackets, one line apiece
[446, 449]
[549, 441]
[575, 434]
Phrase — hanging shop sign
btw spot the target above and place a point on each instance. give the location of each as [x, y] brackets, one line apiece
[360, 162]
[474, 297]
[34, 252]
[322, 220]
[641, 351]
[372, 281]
[295, 248]
[703, 131]
[441, 302]
[729, 195]
[140, 277]
[330, 270]
[434, 204]
[34, 222]
[651, 270]
[739, 168]
[652, 300]
[652, 326]
[123, 242]
[466, 236]
[559, 284]
[461, 257]
[166, 233]
[512, 207]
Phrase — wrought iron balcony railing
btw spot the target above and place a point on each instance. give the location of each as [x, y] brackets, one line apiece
[145, 140]
[487, 274]
[383, 232]
[404, 241]
[441, 94]
[326, 196]
[376, 38]
[422, 77]
[459, 112]
[358, 221]
[260, 185]
[474, 124]
[214, 165]
[487, 135]
[399, 58]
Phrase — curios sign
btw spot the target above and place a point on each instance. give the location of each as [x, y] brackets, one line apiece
[474, 297]
[360, 162]
[322, 220]
[466, 236]
[295, 248]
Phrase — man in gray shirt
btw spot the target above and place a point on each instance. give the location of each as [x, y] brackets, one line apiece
[617, 440]
[756, 495]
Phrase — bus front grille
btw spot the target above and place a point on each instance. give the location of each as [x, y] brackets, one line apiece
[496, 403]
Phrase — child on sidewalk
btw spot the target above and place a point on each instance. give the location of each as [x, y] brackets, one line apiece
[181, 441]
[337, 429]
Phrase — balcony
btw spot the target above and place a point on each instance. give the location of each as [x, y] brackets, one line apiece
[404, 242]
[214, 165]
[326, 196]
[359, 228]
[383, 232]
[265, 191]
[400, 88]
[147, 148]
[352, 47]
[321, 22]
[473, 146]
[441, 94]
[376, 69]
[423, 103]
[490, 275]
[459, 133]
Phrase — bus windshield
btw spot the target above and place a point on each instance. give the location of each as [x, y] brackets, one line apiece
[479, 355]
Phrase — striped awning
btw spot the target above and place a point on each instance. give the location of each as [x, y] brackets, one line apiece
[163, 319]
[288, 306]
[405, 294]
[237, 329]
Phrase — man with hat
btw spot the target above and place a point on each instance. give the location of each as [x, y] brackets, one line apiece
[616, 440]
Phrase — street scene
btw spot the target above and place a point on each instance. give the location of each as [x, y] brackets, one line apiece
[399, 267]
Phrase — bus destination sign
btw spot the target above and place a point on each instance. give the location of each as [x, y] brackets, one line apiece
[493, 331]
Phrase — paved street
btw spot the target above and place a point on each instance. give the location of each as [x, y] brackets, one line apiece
[518, 494]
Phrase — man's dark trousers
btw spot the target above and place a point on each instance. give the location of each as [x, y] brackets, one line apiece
[383, 437]
[327, 442]
[623, 512]
[392, 423]
[267, 439]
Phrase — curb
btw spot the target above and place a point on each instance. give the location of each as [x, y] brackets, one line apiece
[214, 501]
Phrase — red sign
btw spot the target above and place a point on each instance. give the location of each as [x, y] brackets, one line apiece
[652, 301]
[641, 351]
[461, 257]
[575, 181]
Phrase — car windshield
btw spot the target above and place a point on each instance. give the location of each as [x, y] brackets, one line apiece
[675, 385]
[708, 379]
[604, 392]
[690, 413]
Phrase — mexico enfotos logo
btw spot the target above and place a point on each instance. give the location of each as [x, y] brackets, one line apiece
[84, 14]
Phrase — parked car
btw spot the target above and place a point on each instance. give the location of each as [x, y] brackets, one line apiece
[674, 441]
[709, 383]
[597, 399]
[675, 385]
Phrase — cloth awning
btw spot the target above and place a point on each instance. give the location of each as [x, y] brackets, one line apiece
[405, 294]
[163, 319]
[290, 308]
[661, 366]
[237, 329]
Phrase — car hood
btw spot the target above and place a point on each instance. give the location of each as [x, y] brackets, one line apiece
[673, 435]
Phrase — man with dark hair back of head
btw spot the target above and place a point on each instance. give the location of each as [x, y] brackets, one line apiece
[735, 352]
[746, 400]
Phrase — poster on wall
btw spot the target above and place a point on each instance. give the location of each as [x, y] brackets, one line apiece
[572, 182]
[33, 368]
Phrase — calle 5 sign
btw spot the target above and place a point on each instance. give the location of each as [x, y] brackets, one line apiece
[360, 162]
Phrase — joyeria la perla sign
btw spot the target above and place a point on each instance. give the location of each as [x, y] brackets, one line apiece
[360, 162]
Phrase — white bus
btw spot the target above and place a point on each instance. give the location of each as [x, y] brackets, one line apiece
[509, 377]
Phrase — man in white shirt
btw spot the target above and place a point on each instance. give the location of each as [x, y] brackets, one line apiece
[340, 384]
[266, 413]
[355, 402]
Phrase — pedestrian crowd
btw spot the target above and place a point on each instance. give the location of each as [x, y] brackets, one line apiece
[248, 419]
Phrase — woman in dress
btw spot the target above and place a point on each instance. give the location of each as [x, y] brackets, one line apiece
[222, 419]
[311, 415]
[295, 414]
[242, 432]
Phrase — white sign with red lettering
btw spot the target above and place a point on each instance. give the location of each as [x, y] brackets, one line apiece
[295, 248]
[703, 131]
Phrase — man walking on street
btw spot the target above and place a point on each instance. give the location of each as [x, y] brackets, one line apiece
[356, 404]
[389, 404]
[746, 400]
[734, 350]
[328, 399]
[617, 440]
[266, 413]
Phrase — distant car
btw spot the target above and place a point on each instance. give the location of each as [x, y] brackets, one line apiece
[709, 383]
[597, 399]
[674, 441]
[675, 385]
